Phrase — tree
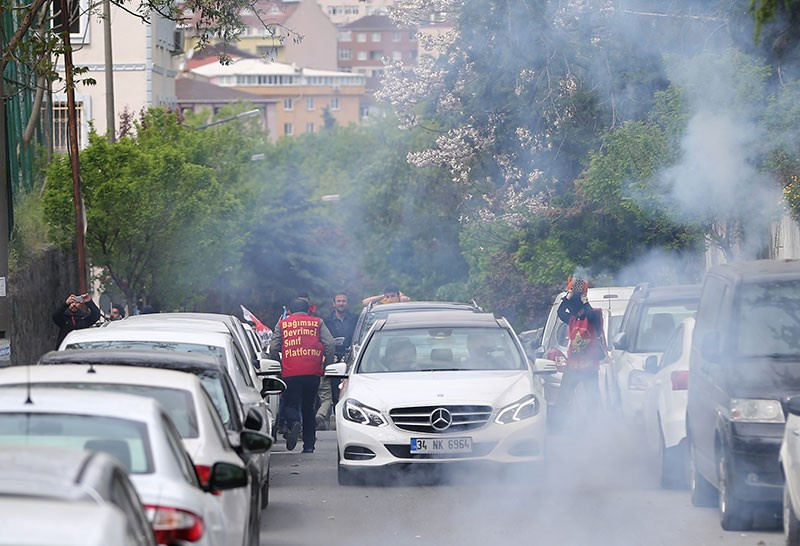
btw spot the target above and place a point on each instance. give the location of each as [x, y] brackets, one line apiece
[156, 215]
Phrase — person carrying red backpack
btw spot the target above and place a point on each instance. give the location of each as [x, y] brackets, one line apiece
[586, 349]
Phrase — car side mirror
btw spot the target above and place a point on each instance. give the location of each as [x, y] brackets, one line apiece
[253, 420]
[651, 364]
[255, 442]
[226, 476]
[794, 405]
[544, 366]
[620, 341]
[709, 346]
[272, 385]
[338, 369]
[268, 366]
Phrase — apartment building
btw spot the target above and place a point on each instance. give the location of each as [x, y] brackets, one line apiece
[303, 95]
[341, 12]
[144, 69]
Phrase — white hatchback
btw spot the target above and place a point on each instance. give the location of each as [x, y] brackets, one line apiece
[435, 387]
[139, 433]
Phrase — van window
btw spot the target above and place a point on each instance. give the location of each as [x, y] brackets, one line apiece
[769, 319]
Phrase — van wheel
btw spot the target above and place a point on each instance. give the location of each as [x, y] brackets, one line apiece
[701, 492]
[791, 526]
[734, 514]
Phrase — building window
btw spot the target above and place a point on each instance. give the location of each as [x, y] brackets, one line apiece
[346, 36]
[288, 105]
[397, 36]
[309, 127]
[310, 103]
[412, 54]
[362, 56]
[335, 103]
[288, 129]
[78, 21]
[60, 127]
[412, 35]
[375, 55]
[361, 37]
[345, 54]
[397, 55]
[364, 110]
[376, 36]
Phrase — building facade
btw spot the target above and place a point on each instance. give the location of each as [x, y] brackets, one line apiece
[342, 12]
[306, 98]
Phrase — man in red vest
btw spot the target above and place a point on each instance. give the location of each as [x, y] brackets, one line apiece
[306, 346]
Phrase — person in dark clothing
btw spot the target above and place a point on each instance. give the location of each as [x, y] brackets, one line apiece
[586, 349]
[342, 324]
[75, 313]
[305, 347]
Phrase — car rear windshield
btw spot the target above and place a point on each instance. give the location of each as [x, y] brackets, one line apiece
[125, 439]
[440, 349]
[177, 347]
[656, 323]
[769, 319]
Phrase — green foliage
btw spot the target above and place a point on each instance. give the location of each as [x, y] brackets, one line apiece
[29, 237]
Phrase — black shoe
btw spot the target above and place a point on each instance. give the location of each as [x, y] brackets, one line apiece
[307, 450]
[291, 436]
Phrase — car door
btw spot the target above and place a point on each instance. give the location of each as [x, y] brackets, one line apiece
[657, 396]
[706, 376]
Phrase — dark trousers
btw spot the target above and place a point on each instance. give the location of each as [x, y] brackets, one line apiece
[569, 382]
[301, 392]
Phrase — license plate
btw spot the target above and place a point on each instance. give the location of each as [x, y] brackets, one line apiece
[441, 445]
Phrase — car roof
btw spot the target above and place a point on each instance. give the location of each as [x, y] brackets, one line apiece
[667, 293]
[148, 334]
[176, 323]
[410, 305]
[138, 357]
[754, 270]
[124, 375]
[95, 403]
[432, 319]
[68, 523]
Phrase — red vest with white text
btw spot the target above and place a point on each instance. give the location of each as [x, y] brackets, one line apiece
[301, 348]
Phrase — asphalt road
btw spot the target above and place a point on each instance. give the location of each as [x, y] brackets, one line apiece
[597, 489]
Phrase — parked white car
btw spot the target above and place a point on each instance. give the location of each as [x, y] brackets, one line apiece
[665, 402]
[790, 465]
[139, 433]
[439, 386]
[189, 406]
[58, 477]
[178, 338]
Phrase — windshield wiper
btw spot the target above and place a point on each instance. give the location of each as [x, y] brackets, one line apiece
[441, 370]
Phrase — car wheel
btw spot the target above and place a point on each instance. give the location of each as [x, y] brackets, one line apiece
[265, 492]
[701, 492]
[734, 514]
[791, 526]
[346, 476]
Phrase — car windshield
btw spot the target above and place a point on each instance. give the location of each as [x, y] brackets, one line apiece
[769, 319]
[440, 349]
[174, 346]
[125, 439]
[177, 403]
[657, 321]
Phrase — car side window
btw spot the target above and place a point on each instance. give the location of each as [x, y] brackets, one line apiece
[176, 447]
[219, 428]
[125, 498]
[241, 366]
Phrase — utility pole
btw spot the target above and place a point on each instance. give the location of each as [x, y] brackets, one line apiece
[5, 229]
[111, 132]
[73, 148]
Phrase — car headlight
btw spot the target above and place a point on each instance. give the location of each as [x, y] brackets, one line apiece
[753, 410]
[357, 412]
[525, 408]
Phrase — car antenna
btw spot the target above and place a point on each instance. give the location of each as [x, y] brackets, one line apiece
[28, 387]
[91, 368]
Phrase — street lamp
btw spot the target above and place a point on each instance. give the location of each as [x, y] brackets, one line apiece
[248, 114]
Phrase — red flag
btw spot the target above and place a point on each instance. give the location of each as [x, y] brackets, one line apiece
[250, 317]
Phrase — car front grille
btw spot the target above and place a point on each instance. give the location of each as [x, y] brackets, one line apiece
[418, 419]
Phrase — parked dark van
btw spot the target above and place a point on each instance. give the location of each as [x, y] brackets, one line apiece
[744, 366]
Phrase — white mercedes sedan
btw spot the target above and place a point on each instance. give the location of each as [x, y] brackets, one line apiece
[439, 387]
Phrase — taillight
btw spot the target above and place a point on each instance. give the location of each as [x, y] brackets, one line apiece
[680, 380]
[204, 474]
[558, 357]
[173, 524]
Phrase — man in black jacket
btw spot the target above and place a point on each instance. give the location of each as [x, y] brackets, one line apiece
[74, 314]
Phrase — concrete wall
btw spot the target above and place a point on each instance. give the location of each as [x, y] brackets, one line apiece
[36, 292]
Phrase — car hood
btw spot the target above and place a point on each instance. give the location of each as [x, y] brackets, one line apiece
[389, 390]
